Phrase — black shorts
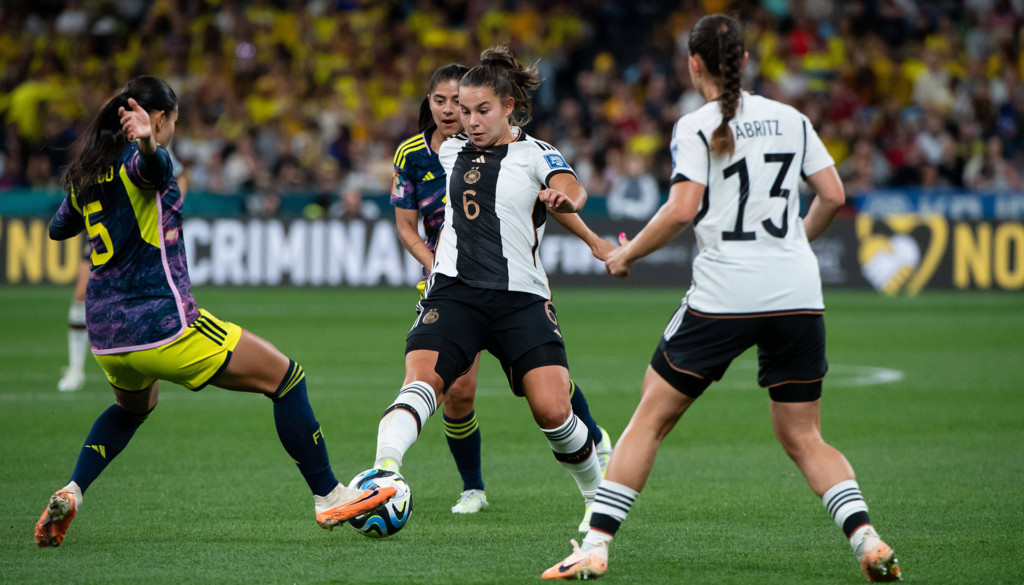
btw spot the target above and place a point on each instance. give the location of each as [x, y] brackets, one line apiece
[458, 321]
[790, 348]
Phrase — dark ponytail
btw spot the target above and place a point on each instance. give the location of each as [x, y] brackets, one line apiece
[441, 75]
[98, 148]
[500, 71]
[718, 39]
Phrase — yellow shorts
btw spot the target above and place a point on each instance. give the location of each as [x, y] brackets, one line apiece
[191, 360]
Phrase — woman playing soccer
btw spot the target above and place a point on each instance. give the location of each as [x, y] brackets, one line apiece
[488, 289]
[143, 323]
[419, 189]
[737, 162]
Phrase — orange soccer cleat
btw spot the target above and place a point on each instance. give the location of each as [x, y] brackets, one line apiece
[55, 519]
[580, 565]
[344, 503]
[879, 563]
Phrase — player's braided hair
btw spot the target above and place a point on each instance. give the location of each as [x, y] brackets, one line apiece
[102, 142]
[718, 39]
[441, 75]
[503, 73]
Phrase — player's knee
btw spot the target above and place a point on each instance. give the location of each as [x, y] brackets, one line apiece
[458, 401]
[799, 446]
[137, 410]
[551, 414]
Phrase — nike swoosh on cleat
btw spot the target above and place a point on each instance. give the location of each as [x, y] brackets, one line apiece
[564, 568]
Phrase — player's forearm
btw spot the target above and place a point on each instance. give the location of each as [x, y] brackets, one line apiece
[578, 195]
[830, 198]
[415, 246]
[666, 224]
[819, 217]
[148, 145]
[577, 227]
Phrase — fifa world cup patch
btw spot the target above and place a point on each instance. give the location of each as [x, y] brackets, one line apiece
[555, 161]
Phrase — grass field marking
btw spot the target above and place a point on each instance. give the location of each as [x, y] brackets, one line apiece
[849, 375]
[839, 375]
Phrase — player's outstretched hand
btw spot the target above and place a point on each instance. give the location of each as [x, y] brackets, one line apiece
[135, 121]
[557, 201]
[602, 248]
[618, 261]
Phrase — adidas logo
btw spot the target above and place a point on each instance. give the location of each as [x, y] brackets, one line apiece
[480, 160]
[101, 449]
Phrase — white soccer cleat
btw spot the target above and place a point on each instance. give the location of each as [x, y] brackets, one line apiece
[72, 380]
[580, 565]
[604, 450]
[585, 524]
[470, 502]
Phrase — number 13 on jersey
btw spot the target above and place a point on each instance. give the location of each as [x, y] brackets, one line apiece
[785, 159]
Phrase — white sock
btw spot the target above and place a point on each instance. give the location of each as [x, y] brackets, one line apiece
[575, 451]
[863, 539]
[402, 421]
[73, 486]
[78, 337]
[594, 539]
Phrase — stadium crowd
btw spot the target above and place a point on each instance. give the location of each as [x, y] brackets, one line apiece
[289, 96]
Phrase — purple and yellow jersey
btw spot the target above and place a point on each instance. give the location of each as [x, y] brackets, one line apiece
[420, 184]
[139, 294]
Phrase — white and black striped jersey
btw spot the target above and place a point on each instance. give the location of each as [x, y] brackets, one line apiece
[493, 220]
[754, 255]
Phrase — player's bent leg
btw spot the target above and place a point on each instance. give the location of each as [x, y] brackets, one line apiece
[462, 433]
[110, 434]
[416, 402]
[661, 406]
[580, 407]
[546, 389]
[257, 366]
[797, 425]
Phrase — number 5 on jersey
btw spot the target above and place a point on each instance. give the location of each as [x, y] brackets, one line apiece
[97, 230]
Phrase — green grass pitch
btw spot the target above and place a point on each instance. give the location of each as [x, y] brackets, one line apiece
[925, 397]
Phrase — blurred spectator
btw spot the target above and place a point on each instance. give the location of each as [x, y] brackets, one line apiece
[351, 203]
[270, 89]
[989, 170]
[634, 195]
[865, 169]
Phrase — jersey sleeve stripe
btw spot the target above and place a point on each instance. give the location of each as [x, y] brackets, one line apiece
[547, 179]
[406, 147]
[401, 161]
[679, 178]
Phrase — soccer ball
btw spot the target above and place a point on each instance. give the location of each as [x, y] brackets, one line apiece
[393, 515]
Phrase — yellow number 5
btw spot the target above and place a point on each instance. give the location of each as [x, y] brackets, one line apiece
[97, 229]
